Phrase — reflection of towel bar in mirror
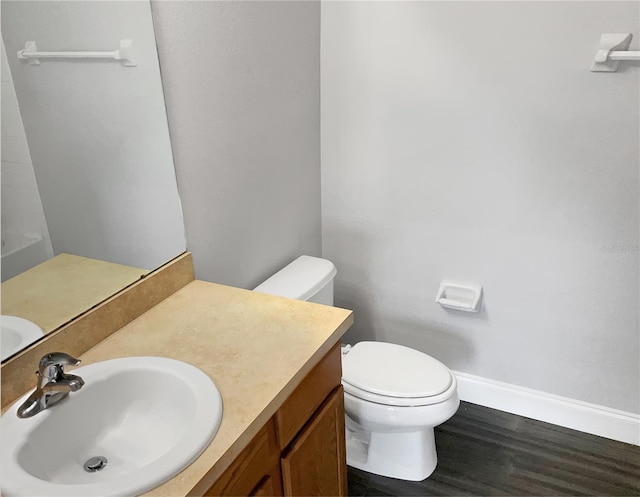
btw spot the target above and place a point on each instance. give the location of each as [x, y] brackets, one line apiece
[124, 54]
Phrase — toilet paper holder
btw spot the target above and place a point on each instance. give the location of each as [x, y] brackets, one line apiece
[459, 296]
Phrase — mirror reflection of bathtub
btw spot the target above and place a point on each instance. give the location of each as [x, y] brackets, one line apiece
[22, 252]
[89, 196]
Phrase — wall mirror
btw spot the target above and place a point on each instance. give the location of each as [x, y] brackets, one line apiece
[89, 196]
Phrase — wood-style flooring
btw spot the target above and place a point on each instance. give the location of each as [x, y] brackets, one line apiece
[483, 451]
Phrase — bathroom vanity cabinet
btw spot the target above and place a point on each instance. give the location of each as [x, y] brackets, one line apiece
[301, 449]
[276, 362]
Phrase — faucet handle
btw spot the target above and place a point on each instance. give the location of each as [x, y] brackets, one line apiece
[60, 359]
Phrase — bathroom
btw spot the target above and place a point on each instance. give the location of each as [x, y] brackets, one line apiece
[411, 143]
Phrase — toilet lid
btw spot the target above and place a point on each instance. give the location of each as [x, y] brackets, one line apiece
[394, 370]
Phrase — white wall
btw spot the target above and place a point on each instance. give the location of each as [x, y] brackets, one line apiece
[22, 215]
[468, 140]
[97, 131]
[242, 85]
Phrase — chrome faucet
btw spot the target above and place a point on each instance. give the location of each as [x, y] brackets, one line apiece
[53, 384]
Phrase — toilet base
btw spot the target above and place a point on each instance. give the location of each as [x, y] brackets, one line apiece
[406, 455]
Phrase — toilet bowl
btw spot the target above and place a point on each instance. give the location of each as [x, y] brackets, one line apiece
[394, 395]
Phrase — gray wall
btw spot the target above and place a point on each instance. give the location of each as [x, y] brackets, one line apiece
[470, 141]
[242, 86]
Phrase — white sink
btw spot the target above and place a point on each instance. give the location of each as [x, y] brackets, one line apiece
[150, 417]
[15, 334]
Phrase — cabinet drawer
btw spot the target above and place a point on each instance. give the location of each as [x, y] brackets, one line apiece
[253, 470]
[306, 399]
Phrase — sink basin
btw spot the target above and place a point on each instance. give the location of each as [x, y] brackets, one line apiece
[15, 334]
[150, 417]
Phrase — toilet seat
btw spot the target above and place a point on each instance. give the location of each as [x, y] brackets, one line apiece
[394, 375]
[400, 401]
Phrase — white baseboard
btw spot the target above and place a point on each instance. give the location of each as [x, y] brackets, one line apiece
[562, 411]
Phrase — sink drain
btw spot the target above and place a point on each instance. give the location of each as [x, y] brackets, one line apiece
[94, 464]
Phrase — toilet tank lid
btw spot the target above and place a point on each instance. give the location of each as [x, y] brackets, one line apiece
[301, 279]
[393, 370]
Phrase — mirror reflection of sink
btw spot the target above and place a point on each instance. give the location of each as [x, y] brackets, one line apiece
[136, 423]
[15, 334]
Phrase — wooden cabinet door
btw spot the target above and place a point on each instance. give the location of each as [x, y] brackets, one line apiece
[315, 464]
[270, 486]
[255, 470]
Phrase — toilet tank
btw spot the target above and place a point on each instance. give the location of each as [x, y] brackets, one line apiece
[306, 278]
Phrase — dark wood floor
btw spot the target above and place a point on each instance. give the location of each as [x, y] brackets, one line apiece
[482, 451]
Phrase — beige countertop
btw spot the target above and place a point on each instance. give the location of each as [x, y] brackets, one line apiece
[257, 348]
[56, 291]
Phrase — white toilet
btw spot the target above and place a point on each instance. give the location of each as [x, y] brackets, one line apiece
[394, 395]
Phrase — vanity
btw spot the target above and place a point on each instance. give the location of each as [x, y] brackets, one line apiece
[276, 363]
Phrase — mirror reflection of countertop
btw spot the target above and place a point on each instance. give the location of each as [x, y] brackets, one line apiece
[256, 348]
[56, 291]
